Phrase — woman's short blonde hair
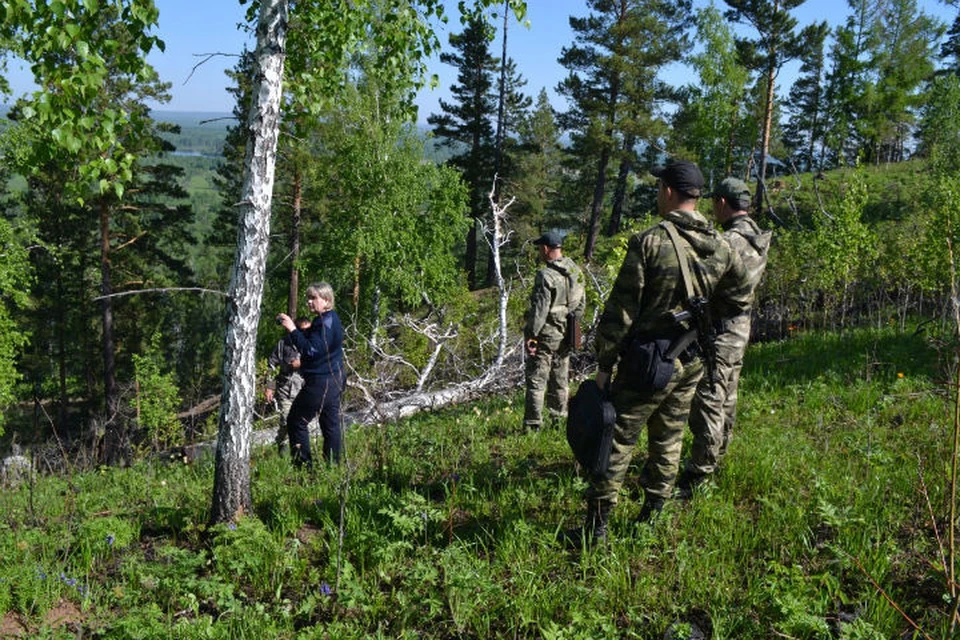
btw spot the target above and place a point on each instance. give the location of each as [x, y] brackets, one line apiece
[322, 289]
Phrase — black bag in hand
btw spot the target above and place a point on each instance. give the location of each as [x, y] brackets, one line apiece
[590, 421]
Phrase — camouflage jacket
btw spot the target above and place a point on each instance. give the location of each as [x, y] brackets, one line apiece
[649, 288]
[751, 243]
[286, 380]
[557, 290]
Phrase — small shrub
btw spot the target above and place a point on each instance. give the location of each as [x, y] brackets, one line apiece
[157, 396]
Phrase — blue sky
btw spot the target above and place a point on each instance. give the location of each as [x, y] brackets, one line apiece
[193, 29]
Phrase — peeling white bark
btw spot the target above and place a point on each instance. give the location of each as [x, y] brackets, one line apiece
[231, 488]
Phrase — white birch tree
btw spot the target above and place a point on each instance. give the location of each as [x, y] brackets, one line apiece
[330, 34]
[231, 486]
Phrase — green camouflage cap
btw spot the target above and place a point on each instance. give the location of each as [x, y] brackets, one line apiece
[734, 191]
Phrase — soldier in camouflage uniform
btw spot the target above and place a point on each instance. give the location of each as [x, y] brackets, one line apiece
[714, 407]
[647, 293]
[557, 292]
[285, 383]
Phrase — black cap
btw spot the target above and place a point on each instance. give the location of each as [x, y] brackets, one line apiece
[550, 238]
[682, 175]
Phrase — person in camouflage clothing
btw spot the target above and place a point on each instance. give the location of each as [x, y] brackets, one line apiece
[286, 381]
[557, 292]
[648, 291]
[714, 407]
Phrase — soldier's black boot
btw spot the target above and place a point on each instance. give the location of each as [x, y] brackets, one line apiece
[652, 506]
[594, 529]
[688, 483]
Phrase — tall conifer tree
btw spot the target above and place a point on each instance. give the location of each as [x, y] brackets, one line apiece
[777, 42]
[903, 64]
[847, 81]
[611, 84]
[804, 132]
[466, 124]
[539, 161]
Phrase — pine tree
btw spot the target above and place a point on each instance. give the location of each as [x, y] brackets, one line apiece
[539, 159]
[847, 81]
[903, 64]
[612, 65]
[950, 49]
[229, 174]
[776, 43]
[804, 132]
[512, 109]
[89, 126]
[466, 123]
[657, 38]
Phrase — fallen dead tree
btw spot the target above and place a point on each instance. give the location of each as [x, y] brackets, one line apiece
[495, 380]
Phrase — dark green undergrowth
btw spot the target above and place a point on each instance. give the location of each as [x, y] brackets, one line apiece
[450, 521]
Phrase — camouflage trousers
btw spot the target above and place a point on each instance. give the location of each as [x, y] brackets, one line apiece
[548, 376]
[665, 415]
[283, 406]
[714, 408]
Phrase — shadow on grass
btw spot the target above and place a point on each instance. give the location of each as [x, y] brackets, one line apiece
[855, 355]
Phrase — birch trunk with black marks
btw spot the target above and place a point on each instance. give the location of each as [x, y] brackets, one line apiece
[231, 487]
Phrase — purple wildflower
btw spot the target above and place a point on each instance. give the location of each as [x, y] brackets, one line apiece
[232, 526]
[325, 589]
[110, 540]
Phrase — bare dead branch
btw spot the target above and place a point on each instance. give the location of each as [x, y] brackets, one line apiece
[496, 238]
[160, 290]
[130, 241]
[208, 120]
[886, 597]
[207, 57]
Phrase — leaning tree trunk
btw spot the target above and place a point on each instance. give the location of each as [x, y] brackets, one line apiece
[293, 291]
[231, 485]
[116, 430]
[620, 191]
[767, 125]
[599, 186]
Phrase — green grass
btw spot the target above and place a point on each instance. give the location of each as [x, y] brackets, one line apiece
[451, 519]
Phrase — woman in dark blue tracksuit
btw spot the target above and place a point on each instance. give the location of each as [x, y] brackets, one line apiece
[321, 365]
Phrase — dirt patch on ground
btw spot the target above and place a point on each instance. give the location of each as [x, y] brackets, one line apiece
[308, 533]
[63, 613]
[13, 625]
